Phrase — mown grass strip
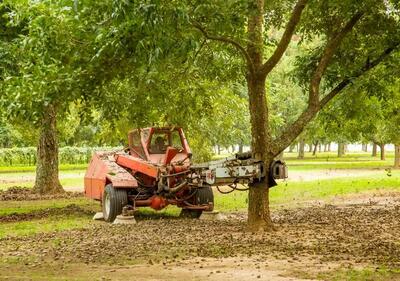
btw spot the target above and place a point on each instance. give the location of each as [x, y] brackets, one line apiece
[23, 168]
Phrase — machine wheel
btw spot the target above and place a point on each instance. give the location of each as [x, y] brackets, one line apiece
[204, 196]
[113, 201]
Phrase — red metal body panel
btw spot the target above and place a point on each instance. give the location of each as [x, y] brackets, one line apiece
[137, 165]
[170, 154]
[102, 170]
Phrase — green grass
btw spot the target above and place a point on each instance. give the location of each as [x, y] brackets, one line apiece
[53, 223]
[20, 207]
[298, 192]
[21, 168]
[45, 224]
[366, 274]
[329, 160]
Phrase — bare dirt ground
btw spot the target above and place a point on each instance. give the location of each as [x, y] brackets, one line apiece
[307, 241]
[23, 193]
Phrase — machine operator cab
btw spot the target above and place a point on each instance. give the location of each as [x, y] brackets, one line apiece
[159, 145]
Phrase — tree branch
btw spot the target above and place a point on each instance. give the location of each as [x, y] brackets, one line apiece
[324, 61]
[367, 67]
[285, 39]
[227, 40]
[294, 130]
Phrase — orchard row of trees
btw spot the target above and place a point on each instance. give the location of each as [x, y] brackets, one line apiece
[223, 70]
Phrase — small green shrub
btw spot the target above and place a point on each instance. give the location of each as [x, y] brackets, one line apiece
[67, 155]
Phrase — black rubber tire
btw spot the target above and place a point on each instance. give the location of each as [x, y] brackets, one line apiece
[118, 199]
[204, 196]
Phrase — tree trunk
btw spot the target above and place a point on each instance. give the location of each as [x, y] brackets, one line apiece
[341, 148]
[364, 147]
[241, 148]
[397, 156]
[310, 146]
[320, 147]
[315, 149]
[329, 147]
[219, 149]
[325, 147]
[374, 150]
[259, 217]
[292, 147]
[47, 180]
[382, 147]
[301, 148]
[258, 209]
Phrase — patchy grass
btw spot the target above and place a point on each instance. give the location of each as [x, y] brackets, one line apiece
[19, 207]
[297, 192]
[366, 274]
[49, 224]
[51, 221]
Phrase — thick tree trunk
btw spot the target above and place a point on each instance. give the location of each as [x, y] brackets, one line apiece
[341, 148]
[319, 147]
[325, 147]
[397, 156]
[47, 180]
[241, 148]
[301, 148]
[259, 217]
[218, 149]
[258, 209]
[382, 147]
[374, 150]
[329, 147]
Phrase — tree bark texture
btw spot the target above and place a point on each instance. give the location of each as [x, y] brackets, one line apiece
[301, 148]
[374, 149]
[341, 149]
[397, 156]
[47, 180]
[315, 149]
[258, 209]
[382, 148]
